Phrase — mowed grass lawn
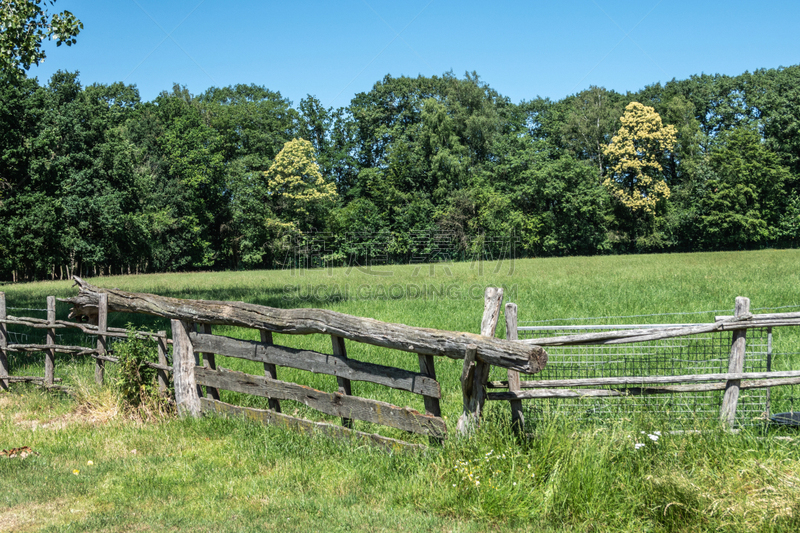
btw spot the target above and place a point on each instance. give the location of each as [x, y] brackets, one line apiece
[231, 475]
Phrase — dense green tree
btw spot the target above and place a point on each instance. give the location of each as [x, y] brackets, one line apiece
[744, 201]
[193, 155]
[592, 118]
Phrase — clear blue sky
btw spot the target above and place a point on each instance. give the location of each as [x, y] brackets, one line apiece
[334, 50]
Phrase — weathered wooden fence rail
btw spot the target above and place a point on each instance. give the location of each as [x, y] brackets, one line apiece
[100, 352]
[525, 358]
[731, 382]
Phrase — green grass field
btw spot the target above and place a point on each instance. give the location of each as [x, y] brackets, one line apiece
[231, 475]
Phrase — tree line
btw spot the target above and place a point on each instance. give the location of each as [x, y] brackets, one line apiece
[93, 180]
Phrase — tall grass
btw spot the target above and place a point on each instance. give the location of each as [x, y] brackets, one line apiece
[232, 475]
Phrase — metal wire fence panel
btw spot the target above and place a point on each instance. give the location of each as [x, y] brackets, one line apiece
[698, 354]
[785, 350]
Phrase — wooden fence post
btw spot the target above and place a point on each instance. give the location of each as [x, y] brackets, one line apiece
[467, 421]
[50, 353]
[183, 362]
[345, 388]
[271, 371]
[209, 361]
[5, 371]
[163, 379]
[432, 407]
[198, 358]
[517, 418]
[102, 340]
[475, 373]
[727, 412]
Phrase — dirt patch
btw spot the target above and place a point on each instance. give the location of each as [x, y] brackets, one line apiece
[34, 516]
[5, 401]
[82, 417]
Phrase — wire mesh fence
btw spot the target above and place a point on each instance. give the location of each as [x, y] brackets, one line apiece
[698, 354]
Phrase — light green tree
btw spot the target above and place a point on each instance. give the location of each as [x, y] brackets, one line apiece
[635, 155]
[273, 208]
[296, 190]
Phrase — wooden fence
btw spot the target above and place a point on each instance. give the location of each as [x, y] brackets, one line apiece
[100, 352]
[195, 349]
[731, 382]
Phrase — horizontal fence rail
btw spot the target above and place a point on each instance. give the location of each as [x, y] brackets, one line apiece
[316, 362]
[652, 333]
[423, 341]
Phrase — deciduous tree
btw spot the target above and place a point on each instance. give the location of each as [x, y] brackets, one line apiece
[636, 153]
[24, 24]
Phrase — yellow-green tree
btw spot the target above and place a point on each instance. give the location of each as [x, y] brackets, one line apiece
[296, 191]
[635, 154]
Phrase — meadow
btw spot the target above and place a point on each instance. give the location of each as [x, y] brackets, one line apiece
[232, 475]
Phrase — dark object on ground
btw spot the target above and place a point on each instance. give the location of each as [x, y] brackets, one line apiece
[786, 419]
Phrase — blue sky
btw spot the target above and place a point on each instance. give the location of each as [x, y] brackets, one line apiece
[336, 49]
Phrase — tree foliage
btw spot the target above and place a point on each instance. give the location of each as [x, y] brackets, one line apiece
[636, 153]
[24, 24]
[95, 181]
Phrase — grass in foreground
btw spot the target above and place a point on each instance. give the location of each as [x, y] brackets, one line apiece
[96, 472]
[231, 475]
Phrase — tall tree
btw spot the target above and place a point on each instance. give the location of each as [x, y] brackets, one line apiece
[636, 154]
[273, 207]
[745, 199]
[591, 120]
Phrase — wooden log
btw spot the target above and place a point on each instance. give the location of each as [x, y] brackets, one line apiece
[340, 351]
[50, 354]
[308, 427]
[763, 316]
[29, 379]
[163, 379]
[624, 336]
[317, 362]
[209, 361]
[643, 335]
[102, 342]
[183, 375]
[730, 400]
[637, 391]
[56, 348]
[5, 369]
[335, 404]
[473, 402]
[500, 352]
[750, 324]
[41, 323]
[643, 380]
[517, 418]
[270, 369]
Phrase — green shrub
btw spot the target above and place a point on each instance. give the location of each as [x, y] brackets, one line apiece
[136, 380]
